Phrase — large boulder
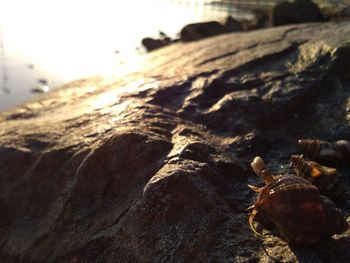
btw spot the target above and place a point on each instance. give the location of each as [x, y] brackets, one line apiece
[152, 164]
[298, 11]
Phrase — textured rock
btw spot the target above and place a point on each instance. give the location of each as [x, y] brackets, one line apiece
[152, 165]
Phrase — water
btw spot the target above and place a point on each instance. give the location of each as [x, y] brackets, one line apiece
[62, 40]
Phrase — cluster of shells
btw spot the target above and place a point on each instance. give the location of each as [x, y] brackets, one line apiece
[301, 204]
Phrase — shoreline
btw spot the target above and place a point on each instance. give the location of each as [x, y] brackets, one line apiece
[80, 60]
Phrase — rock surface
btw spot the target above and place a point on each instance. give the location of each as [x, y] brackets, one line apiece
[152, 165]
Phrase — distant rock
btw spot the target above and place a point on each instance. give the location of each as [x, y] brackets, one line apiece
[334, 9]
[298, 11]
[232, 25]
[201, 30]
[261, 20]
[194, 32]
[43, 81]
[40, 89]
[152, 164]
[151, 44]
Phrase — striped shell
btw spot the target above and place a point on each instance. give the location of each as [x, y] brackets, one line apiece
[297, 209]
[326, 152]
[328, 180]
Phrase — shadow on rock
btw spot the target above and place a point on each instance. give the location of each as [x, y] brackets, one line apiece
[126, 159]
[331, 250]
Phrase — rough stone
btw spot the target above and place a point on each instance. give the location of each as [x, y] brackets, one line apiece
[152, 164]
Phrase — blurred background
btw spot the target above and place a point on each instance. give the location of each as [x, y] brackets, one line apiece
[46, 43]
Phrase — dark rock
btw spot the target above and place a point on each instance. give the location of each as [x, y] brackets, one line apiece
[153, 165]
[201, 30]
[43, 81]
[198, 31]
[298, 11]
[340, 68]
[151, 44]
[232, 25]
[260, 20]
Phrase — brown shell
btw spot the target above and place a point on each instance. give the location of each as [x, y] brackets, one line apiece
[326, 152]
[328, 180]
[297, 209]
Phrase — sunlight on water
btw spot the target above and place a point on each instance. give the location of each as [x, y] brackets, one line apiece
[79, 37]
[65, 40]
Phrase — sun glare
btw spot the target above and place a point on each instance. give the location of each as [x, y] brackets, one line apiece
[80, 38]
[72, 37]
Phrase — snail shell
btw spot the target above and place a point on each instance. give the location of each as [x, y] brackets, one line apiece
[328, 180]
[259, 168]
[326, 152]
[297, 209]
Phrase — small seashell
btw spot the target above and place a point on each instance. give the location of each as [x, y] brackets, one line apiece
[326, 152]
[328, 180]
[259, 168]
[297, 209]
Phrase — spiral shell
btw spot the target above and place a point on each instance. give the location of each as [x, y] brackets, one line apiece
[297, 210]
[259, 168]
[326, 152]
[328, 180]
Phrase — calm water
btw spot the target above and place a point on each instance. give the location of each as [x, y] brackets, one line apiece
[50, 42]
